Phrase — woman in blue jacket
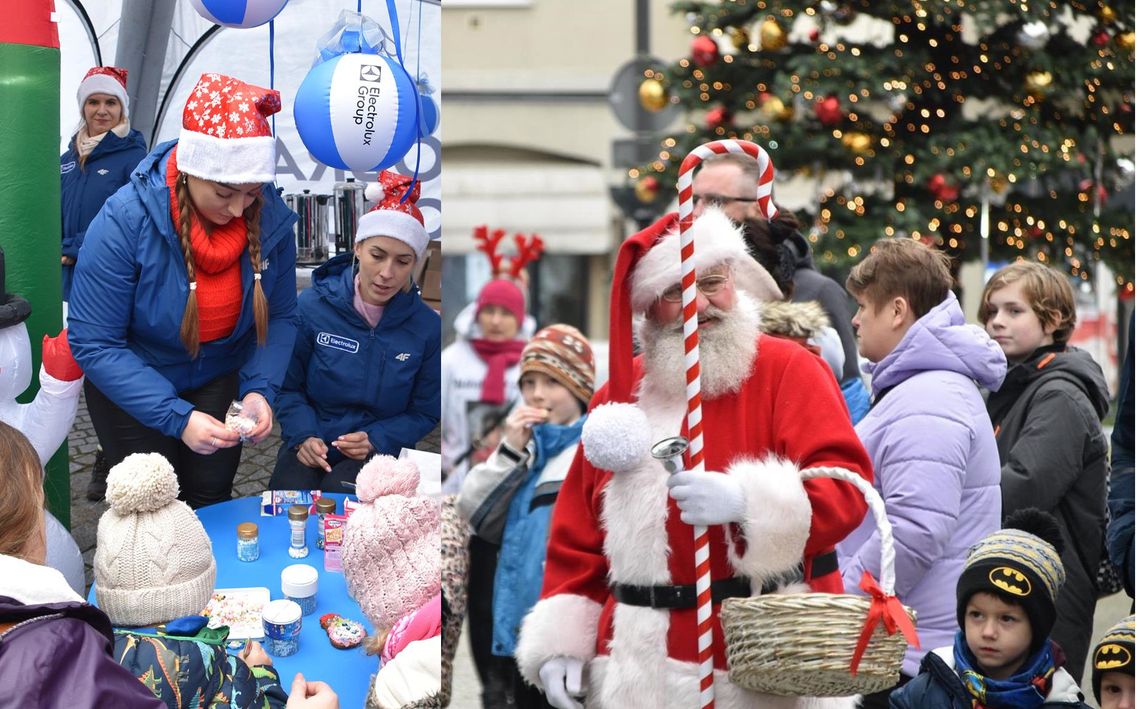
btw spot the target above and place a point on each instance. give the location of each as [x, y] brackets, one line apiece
[364, 378]
[99, 159]
[184, 294]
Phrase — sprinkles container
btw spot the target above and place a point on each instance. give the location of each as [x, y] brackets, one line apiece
[299, 584]
[247, 543]
[282, 622]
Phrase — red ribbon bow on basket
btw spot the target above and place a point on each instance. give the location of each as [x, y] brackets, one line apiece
[885, 609]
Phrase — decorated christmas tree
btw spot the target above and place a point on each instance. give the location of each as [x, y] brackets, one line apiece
[924, 119]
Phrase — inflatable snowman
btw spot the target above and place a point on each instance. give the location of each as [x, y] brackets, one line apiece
[48, 418]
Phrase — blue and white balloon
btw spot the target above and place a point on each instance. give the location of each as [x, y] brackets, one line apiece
[357, 112]
[239, 13]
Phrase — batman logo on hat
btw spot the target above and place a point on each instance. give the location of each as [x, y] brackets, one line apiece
[1011, 581]
[1111, 656]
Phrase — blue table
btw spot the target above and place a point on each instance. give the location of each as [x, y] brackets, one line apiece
[346, 671]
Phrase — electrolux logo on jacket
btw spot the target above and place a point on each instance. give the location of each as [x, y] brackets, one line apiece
[338, 342]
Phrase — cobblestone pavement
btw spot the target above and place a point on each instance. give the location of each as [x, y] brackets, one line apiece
[252, 477]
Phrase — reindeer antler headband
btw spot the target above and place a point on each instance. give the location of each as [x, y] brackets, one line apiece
[529, 250]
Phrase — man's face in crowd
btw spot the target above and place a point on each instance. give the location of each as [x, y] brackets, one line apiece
[727, 185]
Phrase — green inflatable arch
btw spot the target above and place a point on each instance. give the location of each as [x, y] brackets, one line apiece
[29, 185]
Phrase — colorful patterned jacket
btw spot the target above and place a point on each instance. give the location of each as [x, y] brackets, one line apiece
[196, 671]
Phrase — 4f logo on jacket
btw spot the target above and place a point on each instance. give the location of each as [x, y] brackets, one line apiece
[403, 356]
[338, 342]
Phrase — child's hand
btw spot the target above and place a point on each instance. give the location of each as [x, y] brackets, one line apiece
[254, 654]
[311, 695]
[518, 425]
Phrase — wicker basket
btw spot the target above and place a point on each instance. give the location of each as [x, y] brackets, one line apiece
[801, 644]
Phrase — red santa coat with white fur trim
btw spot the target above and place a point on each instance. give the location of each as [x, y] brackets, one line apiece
[624, 528]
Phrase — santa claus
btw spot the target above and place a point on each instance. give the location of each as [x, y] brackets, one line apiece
[617, 617]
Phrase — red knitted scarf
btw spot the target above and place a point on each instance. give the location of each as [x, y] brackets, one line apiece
[217, 257]
[499, 356]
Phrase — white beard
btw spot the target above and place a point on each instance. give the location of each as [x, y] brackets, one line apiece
[728, 351]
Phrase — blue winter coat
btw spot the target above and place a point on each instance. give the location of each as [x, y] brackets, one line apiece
[522, 558]
[936, 467]
[346, 376]
[83, 191]
[129, 292]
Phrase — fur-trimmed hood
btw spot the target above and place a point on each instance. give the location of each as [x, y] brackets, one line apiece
[796, 320]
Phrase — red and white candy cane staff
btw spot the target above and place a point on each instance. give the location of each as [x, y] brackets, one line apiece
[693, 371]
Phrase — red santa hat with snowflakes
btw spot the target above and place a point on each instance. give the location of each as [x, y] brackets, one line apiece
[110, 80]
[394, 215]
[225, 131]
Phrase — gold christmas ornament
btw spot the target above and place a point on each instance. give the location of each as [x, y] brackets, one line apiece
[999, 185]
[739, 37]
[1037, 82]
[1107, 14]
[773, 109]
[772, 36]
[1127, 41]
[652, 96]
[858, 143]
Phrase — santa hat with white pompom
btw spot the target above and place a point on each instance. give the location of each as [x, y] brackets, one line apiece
[394, 215]
[153, 558]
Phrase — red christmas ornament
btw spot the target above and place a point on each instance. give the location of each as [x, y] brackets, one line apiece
[813, 35]
[1035, 232]
[828, 112]
[936, 184]
[704, 51]
[1086, 185]
[717, 117]
[1100, 37]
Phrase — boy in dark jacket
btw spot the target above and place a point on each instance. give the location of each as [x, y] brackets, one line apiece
[1046, 418]
[1002, 657]
[154, 565]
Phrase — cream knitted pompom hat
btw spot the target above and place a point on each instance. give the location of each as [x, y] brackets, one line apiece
[153, 559]
[391, 543]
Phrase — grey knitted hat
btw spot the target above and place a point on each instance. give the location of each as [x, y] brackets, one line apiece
[153, 559]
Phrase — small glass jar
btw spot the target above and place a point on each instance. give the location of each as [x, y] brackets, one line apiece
[282, 623]
[298, 515]
[248, 548]
[325, 506]
[299, 584]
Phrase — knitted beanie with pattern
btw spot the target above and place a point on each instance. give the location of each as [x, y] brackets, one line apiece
[391, 550]
[153, 558]
[1116, 652]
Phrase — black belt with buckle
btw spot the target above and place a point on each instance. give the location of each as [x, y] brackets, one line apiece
[685, 596]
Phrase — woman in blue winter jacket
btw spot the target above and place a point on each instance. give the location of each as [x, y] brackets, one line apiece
[364, 378]
[99, 159]
[185, 292]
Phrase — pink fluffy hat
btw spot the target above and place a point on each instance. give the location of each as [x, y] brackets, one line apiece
[391, 543]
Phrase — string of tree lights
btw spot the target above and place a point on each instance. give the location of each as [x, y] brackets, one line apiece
[937, 114]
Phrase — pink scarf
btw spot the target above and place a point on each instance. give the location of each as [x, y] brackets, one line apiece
[499, 357]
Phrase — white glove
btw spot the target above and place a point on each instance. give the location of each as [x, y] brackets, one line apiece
[707, 498]
[561, 679]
